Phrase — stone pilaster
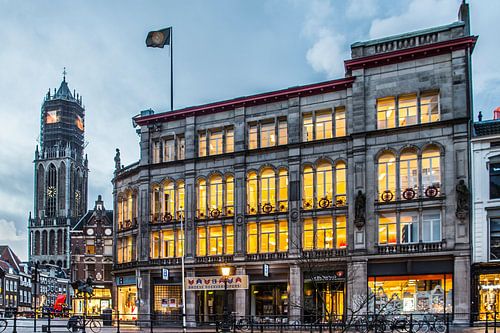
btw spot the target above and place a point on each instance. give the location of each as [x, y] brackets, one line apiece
[296, 293]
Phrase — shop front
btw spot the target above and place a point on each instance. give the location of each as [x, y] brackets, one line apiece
[167, 302]
[324, 296]
[410, 287]
[126, 297]
[100, 300]
[486, 291]
[269, 301]
[209, 294]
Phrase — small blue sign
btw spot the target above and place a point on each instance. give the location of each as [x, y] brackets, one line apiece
[165, 273]
[265, 268]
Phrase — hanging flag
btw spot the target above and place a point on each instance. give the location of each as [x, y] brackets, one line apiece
[159, 38]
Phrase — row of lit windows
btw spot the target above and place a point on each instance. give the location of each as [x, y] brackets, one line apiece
[126, 249]
[324, 186]
[215, 142]
[169, 149]
[409, 227]
[325, 233]
[324, 124]
[168, 201]
[263, 134]
[405, 174]
[127, 209]
[167, 243]
[409, 109]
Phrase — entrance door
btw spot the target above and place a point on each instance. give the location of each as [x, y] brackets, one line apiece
[210, 305]
[323, 301]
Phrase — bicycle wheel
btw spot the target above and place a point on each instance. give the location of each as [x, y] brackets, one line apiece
[439, 326]
[95, 326]
[3, 325]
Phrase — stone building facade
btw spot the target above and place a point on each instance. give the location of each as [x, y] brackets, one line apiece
[345, 194]
[92, 257]
[60, 178]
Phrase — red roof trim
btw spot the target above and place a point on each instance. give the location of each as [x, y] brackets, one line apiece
[405, 54]
[311, 89]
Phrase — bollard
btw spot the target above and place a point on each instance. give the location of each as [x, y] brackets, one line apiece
[117, 321]
[14, 329]
[48, 322]
[411, 323]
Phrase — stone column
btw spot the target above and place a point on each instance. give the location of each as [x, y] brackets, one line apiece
[241, 295]
[296, 293]
[461, 290]
[190, 303]
[357, 281]
[143, 290]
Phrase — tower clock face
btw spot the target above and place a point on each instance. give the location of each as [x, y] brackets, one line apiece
[51, 191]
[90, 232]
[108, 232]
[77, 195]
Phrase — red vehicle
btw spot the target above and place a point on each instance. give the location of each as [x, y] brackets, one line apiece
[60, 308]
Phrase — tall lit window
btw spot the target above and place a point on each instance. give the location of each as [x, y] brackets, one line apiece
[202, 144]
[308, 188]
[431, 227]
[202, 198]
[407, 109]
[201, 244]
[340, 126]
[341, 232]
[408, 224]
[215, 144]
[283, 236]
[253, 137]
[324, 186]
[168, 237]
[324, 125]
[229, 195]
[387, 229]
[307, 127]
[431, 168]
[169, 198]
[156, 203]
[169, 150]
[156, 152]
[429, 107]
[252, 237]
[268, 189]
[180, 199]
[216, 192]
[408, 170]
[283, 190]
[308, 234]
[267, 135]
[267, 237]
[229, 140]
[180, 243]
[252, 194]
[387, 176]
[52, 117]
[324, 233]
[216, 243]
[340, 183]
[229, 240]
[386, 112]
[282, 132]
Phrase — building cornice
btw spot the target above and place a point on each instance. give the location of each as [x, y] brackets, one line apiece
[268, 97]
[411, 53]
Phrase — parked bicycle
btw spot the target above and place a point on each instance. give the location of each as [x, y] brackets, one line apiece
[3, 324]
[76, 323]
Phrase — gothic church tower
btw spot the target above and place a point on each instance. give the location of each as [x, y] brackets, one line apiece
[60, 197]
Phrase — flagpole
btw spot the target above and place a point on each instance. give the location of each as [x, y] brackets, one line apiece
[171, 68]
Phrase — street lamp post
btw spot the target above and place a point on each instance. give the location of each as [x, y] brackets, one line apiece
[226, 271]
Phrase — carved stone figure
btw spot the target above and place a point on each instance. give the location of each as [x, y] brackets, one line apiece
[360, 209]
[117, 160]
[462, 200]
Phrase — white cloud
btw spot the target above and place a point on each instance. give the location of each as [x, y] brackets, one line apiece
[15, 238]
[357, 9]
[418, 15]
[327, 51]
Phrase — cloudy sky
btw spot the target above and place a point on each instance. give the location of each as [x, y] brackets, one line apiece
[222, 49]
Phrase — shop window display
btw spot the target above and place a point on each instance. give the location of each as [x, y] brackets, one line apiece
[431, 293]
[489, 295]
[127, 302]
[324, 298]
[269, 300]
[168, 301]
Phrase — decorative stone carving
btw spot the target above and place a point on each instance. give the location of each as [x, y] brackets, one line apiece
[294, 215]
[117, 160]
[239, 220]
[462, 200]
[189, 224]
[360, 210]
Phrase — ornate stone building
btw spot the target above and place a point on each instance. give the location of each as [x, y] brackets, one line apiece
[60, 197]
[345, 194]
[92, 256]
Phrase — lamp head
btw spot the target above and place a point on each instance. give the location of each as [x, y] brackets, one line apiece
[226, 271]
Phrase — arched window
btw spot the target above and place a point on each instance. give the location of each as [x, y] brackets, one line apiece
[37, 243]
[387, 176]
[40, 188]
[50, 207]
[44, 242]
[431, 167]
[52, 242]
[308, 188]
[60, 242]
[340, 184]
[252, 200]
[229, 196]
[156, 203]
[180, 200]
[408, 173]
[216, 192]
[202, 198]
[324, 188]
[120, 207]
[169, 198]
[267, 190]
[283, 190]
[61, 192]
